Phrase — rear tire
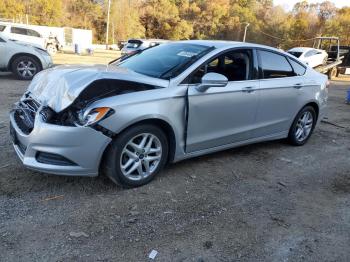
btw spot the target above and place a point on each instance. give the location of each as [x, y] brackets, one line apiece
[136, 155]
[303, 126]
[25, 67]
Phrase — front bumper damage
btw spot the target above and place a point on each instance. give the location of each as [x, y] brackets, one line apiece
[55, 149]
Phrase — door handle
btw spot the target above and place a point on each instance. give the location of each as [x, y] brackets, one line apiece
[248, 89]
[298, 85]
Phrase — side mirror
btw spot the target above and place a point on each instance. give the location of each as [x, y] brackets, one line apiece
[212, 80]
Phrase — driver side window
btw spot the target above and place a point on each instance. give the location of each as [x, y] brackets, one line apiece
[235, 65]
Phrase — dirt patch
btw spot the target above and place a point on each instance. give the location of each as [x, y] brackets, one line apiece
[264, 202]
[341, 183]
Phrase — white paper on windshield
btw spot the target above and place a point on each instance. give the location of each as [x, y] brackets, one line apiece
[186, 54]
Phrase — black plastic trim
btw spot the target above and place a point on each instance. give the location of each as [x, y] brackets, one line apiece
[103, 130]
[53, 159]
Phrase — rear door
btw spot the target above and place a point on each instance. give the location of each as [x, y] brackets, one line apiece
[280, 92]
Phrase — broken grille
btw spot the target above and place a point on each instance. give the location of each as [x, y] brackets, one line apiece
[24, 114]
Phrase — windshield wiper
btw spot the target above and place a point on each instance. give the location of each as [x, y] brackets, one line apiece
[124, 57]
[173, 71]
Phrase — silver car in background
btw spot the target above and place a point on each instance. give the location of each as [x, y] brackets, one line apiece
[165, 104]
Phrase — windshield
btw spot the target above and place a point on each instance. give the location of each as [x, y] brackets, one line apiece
[165, 61]
[296, 54]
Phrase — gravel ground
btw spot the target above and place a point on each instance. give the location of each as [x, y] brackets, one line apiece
[264, 202]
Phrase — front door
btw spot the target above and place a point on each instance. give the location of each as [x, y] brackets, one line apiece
[223, 115]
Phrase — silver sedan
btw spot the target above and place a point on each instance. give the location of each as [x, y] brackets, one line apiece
[164, 104]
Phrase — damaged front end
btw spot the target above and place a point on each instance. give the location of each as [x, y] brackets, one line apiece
[63, 94]
[48, 126]
[78, 115]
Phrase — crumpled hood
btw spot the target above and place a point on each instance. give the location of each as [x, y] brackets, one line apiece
[59, 86]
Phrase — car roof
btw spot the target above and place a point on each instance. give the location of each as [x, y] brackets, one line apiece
[148, 40]
[227, 44]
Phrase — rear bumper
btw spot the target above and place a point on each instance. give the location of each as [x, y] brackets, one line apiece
[82, 147]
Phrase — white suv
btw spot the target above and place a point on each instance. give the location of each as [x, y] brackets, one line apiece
[23, 60]
[23, 34]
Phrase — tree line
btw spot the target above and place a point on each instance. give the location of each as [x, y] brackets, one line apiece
[189, 19]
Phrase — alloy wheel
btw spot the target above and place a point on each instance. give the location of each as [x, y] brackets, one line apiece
[26, 68]
[304, 126]
[141, 156]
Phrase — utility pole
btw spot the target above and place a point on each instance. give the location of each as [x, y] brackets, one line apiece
[245, 30]
[113, 32]
[107, 30]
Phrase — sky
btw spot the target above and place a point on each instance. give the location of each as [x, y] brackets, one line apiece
[288, 4]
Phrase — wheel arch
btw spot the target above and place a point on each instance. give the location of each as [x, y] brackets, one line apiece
[315, 106]
[159, 122]
[9, 65]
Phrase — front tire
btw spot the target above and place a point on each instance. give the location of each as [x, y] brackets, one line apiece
[136, 156]
[303, 126]
[25, 67]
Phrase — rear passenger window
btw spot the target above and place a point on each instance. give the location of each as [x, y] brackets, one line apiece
[19, 30]
[299, 70]
[33, 33]
[274, 65]
[2, 28]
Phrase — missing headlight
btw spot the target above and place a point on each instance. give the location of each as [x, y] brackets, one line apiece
[65, 118]
[46, 114]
